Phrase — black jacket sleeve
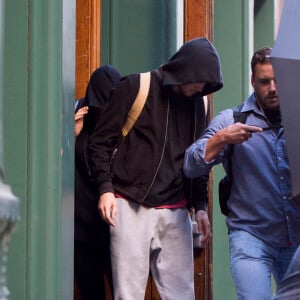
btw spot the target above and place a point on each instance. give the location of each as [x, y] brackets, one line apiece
[107, 132]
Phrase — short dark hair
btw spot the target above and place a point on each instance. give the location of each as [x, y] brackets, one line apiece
[261, 56]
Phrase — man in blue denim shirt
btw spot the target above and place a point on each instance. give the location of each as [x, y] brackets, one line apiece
[263, 220]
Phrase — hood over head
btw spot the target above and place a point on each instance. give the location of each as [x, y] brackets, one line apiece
[98, 93]
[196, 61]
[101, 82]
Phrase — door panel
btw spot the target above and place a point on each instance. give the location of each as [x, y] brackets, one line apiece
[128, 36]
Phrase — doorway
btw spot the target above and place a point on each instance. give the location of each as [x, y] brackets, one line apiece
[198, 19]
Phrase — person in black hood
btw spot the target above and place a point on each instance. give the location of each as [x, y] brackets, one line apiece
[91, 247]
[143, 193]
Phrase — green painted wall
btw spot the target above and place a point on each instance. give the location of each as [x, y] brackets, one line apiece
[263, 18]
[231, 37]
[231, 40]
[38, 110]
[137, 35]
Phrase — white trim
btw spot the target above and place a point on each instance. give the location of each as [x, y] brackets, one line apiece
[278, 7]
[205, 101]
[179, 22]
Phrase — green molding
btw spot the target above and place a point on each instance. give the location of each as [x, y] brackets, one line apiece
[15, 106]
[44, 144]
[38, 145]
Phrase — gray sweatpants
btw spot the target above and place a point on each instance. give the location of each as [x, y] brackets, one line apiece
[157, 239]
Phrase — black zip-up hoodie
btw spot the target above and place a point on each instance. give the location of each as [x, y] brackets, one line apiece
[147, 167]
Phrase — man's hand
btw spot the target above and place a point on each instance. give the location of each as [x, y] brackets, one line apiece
[107, 207]
[204, 227]
[236, 133]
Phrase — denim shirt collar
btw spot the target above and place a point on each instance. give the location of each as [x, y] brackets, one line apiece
[250, 104]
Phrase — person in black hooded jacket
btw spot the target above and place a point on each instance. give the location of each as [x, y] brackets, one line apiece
[91, 247]
[143, 193]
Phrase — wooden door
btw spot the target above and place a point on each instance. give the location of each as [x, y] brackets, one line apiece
[198, 21]
[87, 43]
[198, 17]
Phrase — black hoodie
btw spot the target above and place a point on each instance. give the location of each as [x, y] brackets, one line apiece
[89, 226]
[148, 166]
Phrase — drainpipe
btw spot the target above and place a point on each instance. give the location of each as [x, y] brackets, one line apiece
[9, 203]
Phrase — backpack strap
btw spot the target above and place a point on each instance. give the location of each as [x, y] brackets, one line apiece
[136, 108]
[138, 103]
[238, 115]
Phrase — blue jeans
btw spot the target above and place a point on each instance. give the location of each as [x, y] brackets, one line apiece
[252, 261]
[289, 287]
